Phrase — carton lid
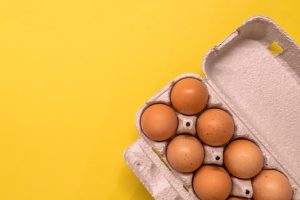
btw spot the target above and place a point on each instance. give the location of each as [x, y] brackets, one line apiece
[256, 71]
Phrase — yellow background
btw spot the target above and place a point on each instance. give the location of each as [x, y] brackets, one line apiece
[73, 73]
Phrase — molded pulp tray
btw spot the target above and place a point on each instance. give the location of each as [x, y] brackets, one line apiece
[260, 88]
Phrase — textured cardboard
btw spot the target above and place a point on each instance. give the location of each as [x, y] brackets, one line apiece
[259, 86]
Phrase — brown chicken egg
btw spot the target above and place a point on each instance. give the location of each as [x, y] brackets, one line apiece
[189, 96]
[212, 182]
[185, 153]
[271, 185]
[159, 122]
[215, 127]
[243, 159]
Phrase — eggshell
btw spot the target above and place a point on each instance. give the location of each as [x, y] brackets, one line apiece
[159, 122]
[243, 158]
[185, 153]
[189, 96]
[212, 182]
[271, 185]
[215, 127]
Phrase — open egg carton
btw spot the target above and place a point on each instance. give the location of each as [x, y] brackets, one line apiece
[254, 74]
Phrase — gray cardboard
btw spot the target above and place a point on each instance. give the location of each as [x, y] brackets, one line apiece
[259, 89]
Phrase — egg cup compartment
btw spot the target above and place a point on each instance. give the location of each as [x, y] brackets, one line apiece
[242, 188]
[187, 124]
[229, 80]
[213, 155]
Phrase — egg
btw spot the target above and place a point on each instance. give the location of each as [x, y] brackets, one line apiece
[215, 127]
[159, 122]
[185, 153]
[271, 185]
[189, 96]
[212, 182]
[243, 159]
[237, 198]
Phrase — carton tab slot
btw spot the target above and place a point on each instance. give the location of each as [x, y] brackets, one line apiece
[275, 48]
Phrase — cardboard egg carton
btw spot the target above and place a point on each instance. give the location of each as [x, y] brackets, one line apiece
[254, 74]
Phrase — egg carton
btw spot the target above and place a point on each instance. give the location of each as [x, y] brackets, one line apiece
[254, 74]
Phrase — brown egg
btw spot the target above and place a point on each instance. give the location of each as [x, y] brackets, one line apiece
[189, 96]
[243, 159]
[271, 185]
[185, 153]
[212, 182]
[215, 127]
[159, 122]
[237, 198]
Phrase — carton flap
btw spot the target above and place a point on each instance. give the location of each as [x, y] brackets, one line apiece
[262, 85]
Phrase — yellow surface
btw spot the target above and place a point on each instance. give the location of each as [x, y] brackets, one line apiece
[73, 74]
